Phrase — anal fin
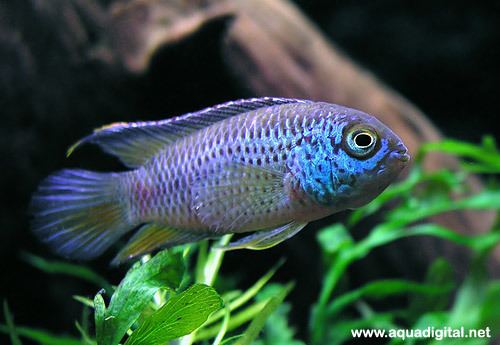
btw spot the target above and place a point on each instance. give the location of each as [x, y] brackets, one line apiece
[154, 236]
[266, 238]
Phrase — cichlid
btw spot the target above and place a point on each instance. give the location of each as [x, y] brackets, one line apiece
[269, 165]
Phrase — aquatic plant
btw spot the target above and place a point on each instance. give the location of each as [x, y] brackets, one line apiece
[170, 297]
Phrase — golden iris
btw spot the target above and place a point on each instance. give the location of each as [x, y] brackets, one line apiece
[361, 142]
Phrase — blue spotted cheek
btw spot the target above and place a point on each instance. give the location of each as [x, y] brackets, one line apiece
[341, 177]
[328, 174]
[354, 174]
[313, 170]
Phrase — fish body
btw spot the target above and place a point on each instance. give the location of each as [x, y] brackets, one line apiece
[268, 165]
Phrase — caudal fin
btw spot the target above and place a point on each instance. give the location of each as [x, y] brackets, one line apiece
[79, 213]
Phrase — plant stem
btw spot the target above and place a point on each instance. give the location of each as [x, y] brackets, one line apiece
[214, 261]
[319, 313]
[223, 328]
[207, 268]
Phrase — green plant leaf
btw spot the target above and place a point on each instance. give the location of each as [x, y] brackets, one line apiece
[334, 238]
[486, 154]
[486, 200]
[247, 295]
[135, 292]
[259, 322]
[277, 330]
[440, 273]
[479, 243]
[213, 261]
[396, 190]
[236, 320]
[85, 338]
[84, 300]
[339, 332]
[61, 267]
[386, 233]
[231, 340]
[383, 289]
[10, 327]
[432, 319]
[470, 297]
[104, 328]
[435, 319]
[223, 327]
[490, 311]
[443, 178]
[42, 337]
[180, 315]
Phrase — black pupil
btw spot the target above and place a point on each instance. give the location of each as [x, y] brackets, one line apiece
[363, 140]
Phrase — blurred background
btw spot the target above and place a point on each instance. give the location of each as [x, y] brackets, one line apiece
[442, 56]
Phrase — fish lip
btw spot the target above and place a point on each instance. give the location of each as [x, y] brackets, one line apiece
[401, 153]
[404, 157]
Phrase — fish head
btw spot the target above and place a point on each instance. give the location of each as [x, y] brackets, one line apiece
[370, 157]
[353, 161]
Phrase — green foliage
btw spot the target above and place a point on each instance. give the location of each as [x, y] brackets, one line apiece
[62, 267]
[277, 330]
[39, 336]
[420, 196]
[10, 328]
[170, 299]
[258, 323]
[43, 337]
[180, 315]
[134, 294]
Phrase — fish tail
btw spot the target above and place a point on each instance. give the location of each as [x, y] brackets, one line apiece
[80, 213]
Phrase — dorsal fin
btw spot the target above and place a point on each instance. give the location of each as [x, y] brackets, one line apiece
[135, 142]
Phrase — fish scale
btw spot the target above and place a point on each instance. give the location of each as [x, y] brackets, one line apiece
[268, 165]
[249, 145]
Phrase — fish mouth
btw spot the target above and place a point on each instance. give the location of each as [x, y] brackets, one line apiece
[401, 154]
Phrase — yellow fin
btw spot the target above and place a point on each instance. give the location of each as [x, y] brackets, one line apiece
[79, 213]
[151, 237]
[266, 238]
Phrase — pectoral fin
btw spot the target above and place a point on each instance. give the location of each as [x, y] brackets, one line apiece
[154, 236]
[230, 196]
[266, 238]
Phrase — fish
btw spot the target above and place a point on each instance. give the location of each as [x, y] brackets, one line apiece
[267, 165]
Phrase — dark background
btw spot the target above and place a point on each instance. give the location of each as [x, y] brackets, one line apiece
[442, 55]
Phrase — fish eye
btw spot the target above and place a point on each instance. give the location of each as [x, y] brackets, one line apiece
[361, 142]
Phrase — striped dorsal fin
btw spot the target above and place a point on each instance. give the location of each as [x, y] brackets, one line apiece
[135, 142]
